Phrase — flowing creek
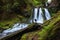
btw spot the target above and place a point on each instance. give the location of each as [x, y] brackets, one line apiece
[38, 18]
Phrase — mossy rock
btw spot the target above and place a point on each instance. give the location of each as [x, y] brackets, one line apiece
[44, 33]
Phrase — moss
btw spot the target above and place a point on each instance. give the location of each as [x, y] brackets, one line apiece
[10, 22]
[46, 29]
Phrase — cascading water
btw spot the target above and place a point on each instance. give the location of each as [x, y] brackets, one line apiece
[16, 27]
[40, 17]
[35, 14]
[47, 14]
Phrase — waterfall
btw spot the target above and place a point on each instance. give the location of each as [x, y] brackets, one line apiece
[47, 14]
[35, 14]
[16, 27]
[40, 17]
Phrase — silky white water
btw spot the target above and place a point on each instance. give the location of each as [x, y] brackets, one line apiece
[35, 14]
[49, 1]
[16, 27]
[47, 14]
[40, 17]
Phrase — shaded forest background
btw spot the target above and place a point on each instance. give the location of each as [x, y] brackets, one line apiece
[8, 8]
[13, 11]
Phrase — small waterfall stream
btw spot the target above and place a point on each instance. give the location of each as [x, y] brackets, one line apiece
[47, 14]
[38, 18]
[16, 27]
[35, 14]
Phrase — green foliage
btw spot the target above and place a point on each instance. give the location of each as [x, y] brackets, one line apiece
[22, 6]
[43, 34]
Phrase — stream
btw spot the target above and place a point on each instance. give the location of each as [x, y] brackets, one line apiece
[38, 18]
